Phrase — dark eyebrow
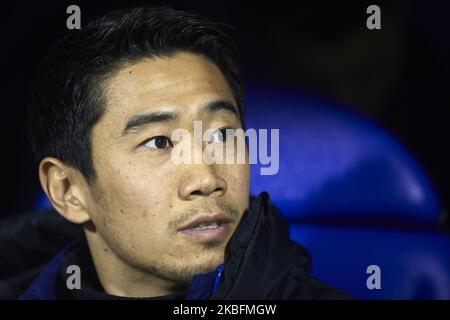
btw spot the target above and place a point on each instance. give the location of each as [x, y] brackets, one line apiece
[136, 122]
[220, 105]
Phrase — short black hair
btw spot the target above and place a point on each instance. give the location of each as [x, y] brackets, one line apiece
[67, 88]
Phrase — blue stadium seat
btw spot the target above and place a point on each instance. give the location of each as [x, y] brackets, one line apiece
[42, 202]
[354, 197]
[334, 163]
[413, 264]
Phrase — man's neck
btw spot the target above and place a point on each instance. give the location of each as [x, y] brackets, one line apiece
[120, 279]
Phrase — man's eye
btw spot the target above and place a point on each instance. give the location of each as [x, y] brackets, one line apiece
[222, 135]
[158, 142]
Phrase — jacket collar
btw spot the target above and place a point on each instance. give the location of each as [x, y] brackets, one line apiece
[259, 253]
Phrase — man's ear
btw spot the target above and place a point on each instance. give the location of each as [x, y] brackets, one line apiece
[64, 188]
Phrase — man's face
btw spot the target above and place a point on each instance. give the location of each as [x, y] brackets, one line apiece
[141, 198]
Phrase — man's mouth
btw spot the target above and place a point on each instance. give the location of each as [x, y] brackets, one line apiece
[208, 227]
[204, 226]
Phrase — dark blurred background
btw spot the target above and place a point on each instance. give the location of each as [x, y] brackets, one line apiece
[399, 75]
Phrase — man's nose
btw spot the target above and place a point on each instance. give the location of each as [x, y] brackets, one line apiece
[202, 180]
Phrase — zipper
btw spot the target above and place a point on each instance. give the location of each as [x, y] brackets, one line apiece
[246, 252]
[219, 270]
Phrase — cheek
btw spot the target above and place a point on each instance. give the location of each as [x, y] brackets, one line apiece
[239, 174]
[137, 182]
[237, 177]
[134, 202]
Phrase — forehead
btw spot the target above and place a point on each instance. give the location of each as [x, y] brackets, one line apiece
[181, 83]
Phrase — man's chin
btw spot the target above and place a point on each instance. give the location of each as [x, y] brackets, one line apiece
[201, 263]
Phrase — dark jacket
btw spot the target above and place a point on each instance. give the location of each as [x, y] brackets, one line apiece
[261, 262]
